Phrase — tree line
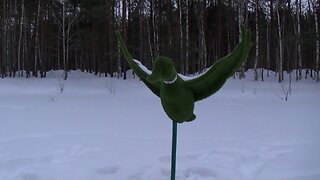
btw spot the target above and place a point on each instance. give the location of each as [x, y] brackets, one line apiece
[42, 35]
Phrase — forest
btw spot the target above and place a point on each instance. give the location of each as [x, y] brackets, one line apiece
[42, 35]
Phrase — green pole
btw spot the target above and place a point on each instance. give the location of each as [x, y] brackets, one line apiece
[174, 150]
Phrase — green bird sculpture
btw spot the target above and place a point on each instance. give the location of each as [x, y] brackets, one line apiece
[179, 93]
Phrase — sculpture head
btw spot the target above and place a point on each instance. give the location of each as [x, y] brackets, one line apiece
[163, 70]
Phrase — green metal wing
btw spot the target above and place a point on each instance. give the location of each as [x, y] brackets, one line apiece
[141, 71]
[212, 80]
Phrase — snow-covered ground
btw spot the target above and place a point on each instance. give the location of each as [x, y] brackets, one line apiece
[243, 132]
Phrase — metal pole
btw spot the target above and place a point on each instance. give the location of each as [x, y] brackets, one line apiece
[174, 150]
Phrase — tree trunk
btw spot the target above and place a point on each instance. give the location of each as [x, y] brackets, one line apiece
[198, 9]
[202, 41]
[152, 14]
[23, 59]
[169, 17]
[119, 69]
[242, 17]
[64, 48]
[4, 40]
[203, 34]
[37, 43]
[149, 39]
[317, 43]
[298, 10]
[40, 47]
[257, 41]
[124, 31]
[268, 49]
[181, 36]
[141, 30]
[272, 35]
[280, 62]
[187, 37]
[315, 7]
[155, 29]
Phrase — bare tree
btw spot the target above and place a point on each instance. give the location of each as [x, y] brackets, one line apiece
[257, 40]
[65, 23]
[149, 37]
[141, 14]
[242, 21]
[117, 14]
[280, 61]
[299, 58]
[242, 15]
[124, 28]
[155, 27]
[37, 53]
[181, 35]
[315, 7]
[110, 17]
[187, 38]
[4, 40]
[20, 38]
[268, 49]
[201, 37]
[270, 36]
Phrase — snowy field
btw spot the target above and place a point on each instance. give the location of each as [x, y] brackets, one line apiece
[244, 132]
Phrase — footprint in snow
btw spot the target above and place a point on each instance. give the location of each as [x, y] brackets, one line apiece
[198, 173]
[224, 161]
[253, 163]
[107, 170]
[137, 176]
[186, 157]
[19, 163]
[30, 176]
[13, 166]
